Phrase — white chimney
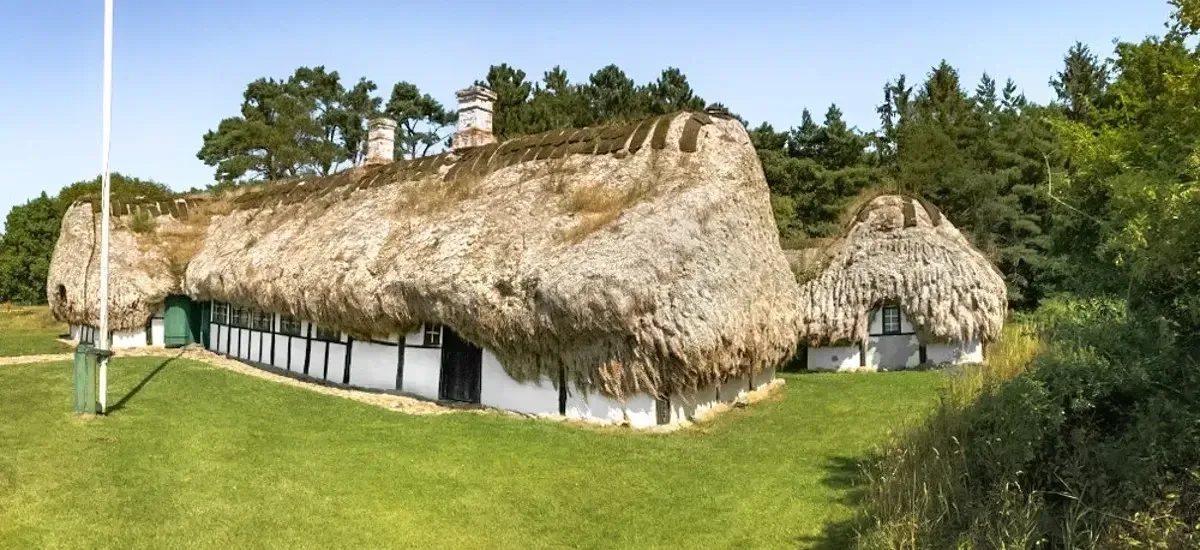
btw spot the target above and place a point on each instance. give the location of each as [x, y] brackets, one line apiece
[381, 141]
[474, 117]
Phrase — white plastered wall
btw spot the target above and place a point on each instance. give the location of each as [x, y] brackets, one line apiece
[422, 366]
[125, 339]
[970, 351]
[498, 389]
[373, 365]
[839, 358]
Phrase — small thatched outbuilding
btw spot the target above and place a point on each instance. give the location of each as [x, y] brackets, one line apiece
[630, 273]
[901, 287]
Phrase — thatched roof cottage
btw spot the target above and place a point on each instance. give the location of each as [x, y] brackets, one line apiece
[901, 287]
[629, 273]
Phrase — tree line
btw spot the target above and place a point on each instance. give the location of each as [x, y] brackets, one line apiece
[1114, 147]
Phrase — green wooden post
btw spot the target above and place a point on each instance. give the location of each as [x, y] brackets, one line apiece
[85, 380]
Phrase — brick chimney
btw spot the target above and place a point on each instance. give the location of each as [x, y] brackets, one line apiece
[381, 141]
[474, 117]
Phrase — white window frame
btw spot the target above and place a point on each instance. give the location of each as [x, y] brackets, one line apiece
[259, 320]
[285, 321]
[220, 313]
[899, 327]
[431, 336]
[326, 334]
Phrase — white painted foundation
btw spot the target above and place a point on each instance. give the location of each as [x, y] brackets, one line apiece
[125, 339]
[954, 353]
[840, 358]
[497, 389]
[377, 364]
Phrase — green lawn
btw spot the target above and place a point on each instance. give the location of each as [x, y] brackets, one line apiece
[30, 331]
[199, 456]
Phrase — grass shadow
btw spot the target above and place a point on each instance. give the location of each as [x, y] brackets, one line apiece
[120, 404]
[844, 474]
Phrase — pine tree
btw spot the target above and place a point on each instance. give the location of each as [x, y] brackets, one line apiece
[1081, 84]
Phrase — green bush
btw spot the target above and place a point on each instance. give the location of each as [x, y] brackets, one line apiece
[1095, 443]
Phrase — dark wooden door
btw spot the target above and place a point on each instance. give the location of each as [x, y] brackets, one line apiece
[462, 366]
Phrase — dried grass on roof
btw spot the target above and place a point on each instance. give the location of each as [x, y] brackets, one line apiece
[899, 250]
[627, 257]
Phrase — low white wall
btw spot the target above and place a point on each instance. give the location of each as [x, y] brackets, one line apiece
[833, 358]
[337, 363]
[893, 351]
[279, 345]
[316, 360]
[954, 353]
[422, 371]
[157, 332]
[498, 389]
[243, 343]
[255, 339]
[593, 406]
[763, 378]
[733, 388]
[125, 339]
[374, 365]
[638, 410]
[296, 362]
[688, 405]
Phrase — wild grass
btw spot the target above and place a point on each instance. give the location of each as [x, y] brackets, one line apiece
[1086, 435]
[918, 483]
[431, 195]
[142, 222]
[29, 330]
[599, 205]
[195, 456]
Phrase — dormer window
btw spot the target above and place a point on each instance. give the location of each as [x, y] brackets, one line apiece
[891, 320]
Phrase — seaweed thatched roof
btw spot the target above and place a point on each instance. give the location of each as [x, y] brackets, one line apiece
[899, 250]
[637, 257]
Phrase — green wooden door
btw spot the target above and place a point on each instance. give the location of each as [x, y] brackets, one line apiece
[178, 323]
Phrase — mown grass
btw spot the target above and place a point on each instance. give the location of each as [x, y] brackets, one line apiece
[192, 455]
[29, 330]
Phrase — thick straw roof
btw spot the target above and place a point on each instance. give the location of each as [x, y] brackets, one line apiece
[637, 257]
[900, 250]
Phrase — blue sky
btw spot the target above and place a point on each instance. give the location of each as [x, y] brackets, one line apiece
[179, 69]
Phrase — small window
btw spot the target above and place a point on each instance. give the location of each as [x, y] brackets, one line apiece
[289, 326]
[891, 320]
[262, 321]
[433, 335]
[326, 334]
[220, 313]
[237, 317]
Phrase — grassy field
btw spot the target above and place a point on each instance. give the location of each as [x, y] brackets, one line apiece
[29, 331]
[192, 455]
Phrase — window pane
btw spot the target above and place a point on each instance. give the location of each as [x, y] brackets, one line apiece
[220, 314]
[433, 335]
[262, 321]
[326, 334]
[289, 325]
[891, 320]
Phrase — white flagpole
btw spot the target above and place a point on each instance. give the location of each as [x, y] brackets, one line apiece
[106, 142]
